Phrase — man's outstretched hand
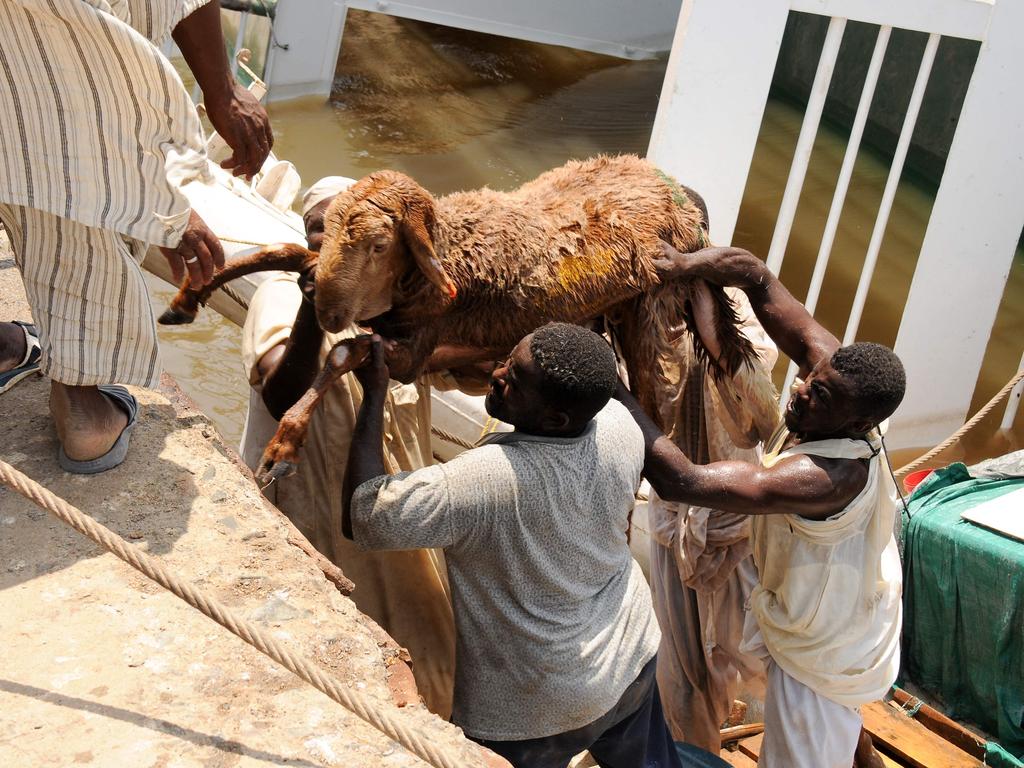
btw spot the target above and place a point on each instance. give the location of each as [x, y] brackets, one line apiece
[236, 114]
[373, 375]
[719, 265]
[243, 123]
[199, 252]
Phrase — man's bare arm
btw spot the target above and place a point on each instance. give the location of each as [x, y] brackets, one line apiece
[783, 318]
[807, 486]
[235, 113]
[366, 452]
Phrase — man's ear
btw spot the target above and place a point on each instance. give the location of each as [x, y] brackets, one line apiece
[555, 421]
[862, 426]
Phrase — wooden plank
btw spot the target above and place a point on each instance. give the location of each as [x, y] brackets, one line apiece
[752, 747]
[909, 742]
[737, 759]
[739, 732]
[945, 727]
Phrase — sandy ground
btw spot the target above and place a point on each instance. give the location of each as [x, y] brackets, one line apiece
[101, 667]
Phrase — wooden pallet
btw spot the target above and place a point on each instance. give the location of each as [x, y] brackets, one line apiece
[901, 742]
[738, 760]
[910, 743]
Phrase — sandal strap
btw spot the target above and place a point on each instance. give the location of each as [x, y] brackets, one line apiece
[31, 341]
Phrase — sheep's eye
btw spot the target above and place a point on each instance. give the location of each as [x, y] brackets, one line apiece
[379, 246]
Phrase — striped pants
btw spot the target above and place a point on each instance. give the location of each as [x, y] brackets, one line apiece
[88, 299]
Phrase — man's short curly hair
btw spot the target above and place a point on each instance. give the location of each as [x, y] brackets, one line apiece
[874, 376]
[577, 367]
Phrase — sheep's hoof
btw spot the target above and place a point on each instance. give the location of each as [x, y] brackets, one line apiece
[275, 470]
[174, 316]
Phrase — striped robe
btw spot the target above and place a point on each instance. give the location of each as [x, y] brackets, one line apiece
[92, 114]
[96, 134]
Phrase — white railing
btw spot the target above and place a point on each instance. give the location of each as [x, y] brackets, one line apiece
[715, 90]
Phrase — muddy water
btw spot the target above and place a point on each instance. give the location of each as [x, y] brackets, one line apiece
[458, 111]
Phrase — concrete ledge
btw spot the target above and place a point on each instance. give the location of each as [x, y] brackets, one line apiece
[104, 668]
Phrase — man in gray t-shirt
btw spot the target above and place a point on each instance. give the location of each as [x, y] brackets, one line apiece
[555, 634]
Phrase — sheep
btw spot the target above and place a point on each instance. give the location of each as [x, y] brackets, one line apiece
[481, 269]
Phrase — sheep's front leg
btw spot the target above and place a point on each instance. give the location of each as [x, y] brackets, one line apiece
[288, 257]
[282, 453]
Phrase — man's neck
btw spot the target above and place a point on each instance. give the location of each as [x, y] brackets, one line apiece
[796, 438]
[569, 432]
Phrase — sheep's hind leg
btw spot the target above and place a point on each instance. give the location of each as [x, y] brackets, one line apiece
[282, 452]
[286, 256]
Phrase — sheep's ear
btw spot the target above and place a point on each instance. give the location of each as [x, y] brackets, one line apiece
[417, 222]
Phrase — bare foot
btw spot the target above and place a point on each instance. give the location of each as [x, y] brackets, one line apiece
[12, 346]
[88, 423]
[866, 756]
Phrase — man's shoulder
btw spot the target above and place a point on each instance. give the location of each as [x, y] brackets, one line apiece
[834, 481]
[615, 422]
[484, 459]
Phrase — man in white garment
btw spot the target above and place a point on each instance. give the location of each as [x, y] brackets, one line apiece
[97, 133]
[826, 611]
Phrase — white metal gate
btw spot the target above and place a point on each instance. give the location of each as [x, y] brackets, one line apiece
[717, 83]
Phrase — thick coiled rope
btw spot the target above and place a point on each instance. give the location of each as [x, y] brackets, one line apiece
[971, 423]
[391, 724]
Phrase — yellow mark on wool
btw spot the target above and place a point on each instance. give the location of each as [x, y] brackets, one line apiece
[577, 268]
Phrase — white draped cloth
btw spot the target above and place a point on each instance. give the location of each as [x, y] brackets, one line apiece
[828, 603]
[701, 569]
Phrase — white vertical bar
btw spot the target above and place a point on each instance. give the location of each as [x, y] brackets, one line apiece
[805, 143]
[891, 185]
[843, 185]
[713, 155]
[968, 248]
[1014, 402]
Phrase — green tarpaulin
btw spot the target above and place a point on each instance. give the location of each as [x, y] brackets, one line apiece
[963, 634]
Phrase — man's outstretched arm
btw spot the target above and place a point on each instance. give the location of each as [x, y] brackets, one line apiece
[783, 318]
[808, 486]
[235, 113]
[366, 452]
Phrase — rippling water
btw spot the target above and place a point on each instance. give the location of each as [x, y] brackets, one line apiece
[458, 111]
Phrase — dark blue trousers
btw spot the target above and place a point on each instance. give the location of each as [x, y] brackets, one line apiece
[632, 734]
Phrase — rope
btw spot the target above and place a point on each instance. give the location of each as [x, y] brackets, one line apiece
[236, 241]
[973, 422]
[360, 704]
[454, 439]
[235, 296]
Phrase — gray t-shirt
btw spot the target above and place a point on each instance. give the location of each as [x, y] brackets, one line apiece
[553, 617]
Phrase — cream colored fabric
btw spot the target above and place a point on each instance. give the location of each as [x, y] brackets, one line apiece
[405, 592]
[324, 188]
[701, 570]
[88, 300]
[95, 125]
[828, 604]
[803, 729]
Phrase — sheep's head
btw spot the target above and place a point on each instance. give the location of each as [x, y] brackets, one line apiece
[371, 232]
